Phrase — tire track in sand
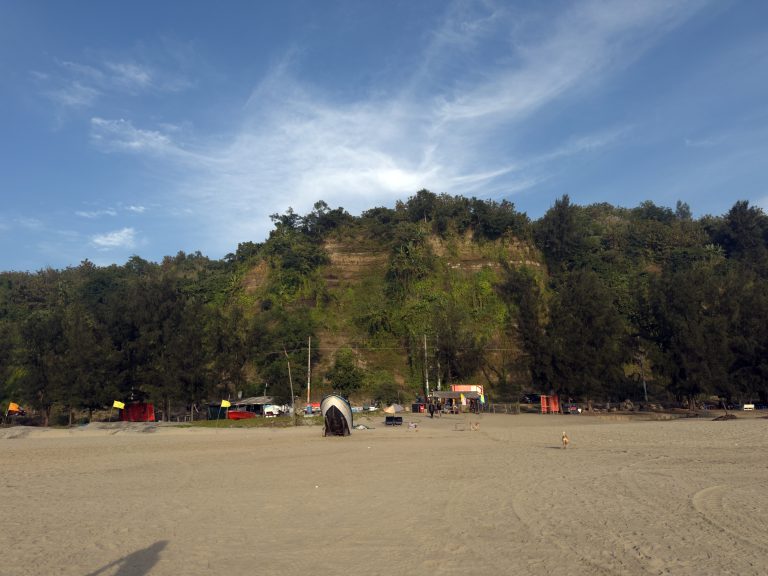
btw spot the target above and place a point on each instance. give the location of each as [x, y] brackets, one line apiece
[735, 513]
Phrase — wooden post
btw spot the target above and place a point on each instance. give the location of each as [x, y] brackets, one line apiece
[309, 369]
[426, 367]
[290, 381]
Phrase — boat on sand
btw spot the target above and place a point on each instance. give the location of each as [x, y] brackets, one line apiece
[337, 416]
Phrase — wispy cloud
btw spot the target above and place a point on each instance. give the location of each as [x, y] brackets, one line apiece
[129, 75]
[73, 95]
[124, 238]
[700, 142]
[583, 145]
[295, 146]
[77, 70]
[92, 214]
[122, 135]
[585, 41]
[110, 211]
[73, 85]
[30, 223]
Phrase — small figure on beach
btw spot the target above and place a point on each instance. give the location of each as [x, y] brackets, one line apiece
[431, 410]
[566, 440]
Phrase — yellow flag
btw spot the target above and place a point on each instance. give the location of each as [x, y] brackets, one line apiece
[226, 403]
[117, 404]
[482, 398]
[462, 399]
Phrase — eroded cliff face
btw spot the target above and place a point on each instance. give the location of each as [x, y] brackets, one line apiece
[353, 285]
[462, 252]
[255, 278]
[351, 260]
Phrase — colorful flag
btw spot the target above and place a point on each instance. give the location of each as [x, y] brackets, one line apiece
[462, 399]
[13, 408]
[482, 398]
[226, 404]
[117, 404]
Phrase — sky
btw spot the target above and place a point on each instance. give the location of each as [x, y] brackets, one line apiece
[148, 128]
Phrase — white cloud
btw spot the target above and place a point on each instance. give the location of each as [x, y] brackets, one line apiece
[72, 84]
[583, 144]
[136, 209]
[294, 146]
[30, 223]
[122, 135]
[124, 238]
[700, 142]
[95, 213]
[74, 95]
[129, 75]
[83, 71]
[584, 42]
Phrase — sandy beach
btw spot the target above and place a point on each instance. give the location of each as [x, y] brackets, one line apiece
[688, 496]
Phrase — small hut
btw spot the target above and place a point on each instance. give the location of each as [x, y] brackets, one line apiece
[137, 408]
[239, 409]
[454, 400]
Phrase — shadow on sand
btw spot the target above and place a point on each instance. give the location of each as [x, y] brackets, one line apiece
[139, 563]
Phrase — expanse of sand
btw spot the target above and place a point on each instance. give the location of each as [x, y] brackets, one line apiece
[688, 496]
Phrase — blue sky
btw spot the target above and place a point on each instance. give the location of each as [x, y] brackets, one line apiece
[152, 127]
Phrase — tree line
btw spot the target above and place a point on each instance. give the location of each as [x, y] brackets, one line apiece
[607, 303]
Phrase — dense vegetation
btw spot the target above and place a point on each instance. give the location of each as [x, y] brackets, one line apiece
[593, 302]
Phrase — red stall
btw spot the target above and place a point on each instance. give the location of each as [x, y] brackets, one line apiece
[137, 408]
[138, 412]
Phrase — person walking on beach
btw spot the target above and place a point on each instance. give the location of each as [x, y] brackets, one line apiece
[431, 409]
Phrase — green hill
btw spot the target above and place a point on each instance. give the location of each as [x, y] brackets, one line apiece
[594, 302]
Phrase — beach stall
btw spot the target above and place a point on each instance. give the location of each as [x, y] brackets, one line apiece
[453, 402]
[243, 409]
[472, 395]
[253, 405]
[476, 390]
[312, 408]
[138, 408]
[550, 404]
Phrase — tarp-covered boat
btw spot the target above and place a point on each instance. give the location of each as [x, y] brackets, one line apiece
[337, 414]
